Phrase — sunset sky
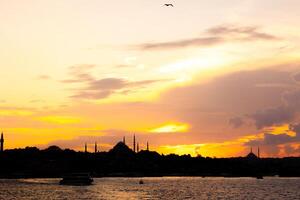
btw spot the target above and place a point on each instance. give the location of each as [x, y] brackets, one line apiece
[203, 77]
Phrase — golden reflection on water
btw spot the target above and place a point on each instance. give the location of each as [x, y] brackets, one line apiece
[154, 188]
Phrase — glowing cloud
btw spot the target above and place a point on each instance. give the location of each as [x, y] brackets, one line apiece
[171, 128]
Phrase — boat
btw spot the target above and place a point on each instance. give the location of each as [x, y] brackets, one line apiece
[259, 177]
[77, 179]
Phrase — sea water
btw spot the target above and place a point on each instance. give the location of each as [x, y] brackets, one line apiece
[154, 188]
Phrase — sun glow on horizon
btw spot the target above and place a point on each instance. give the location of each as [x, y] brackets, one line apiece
[60, 119]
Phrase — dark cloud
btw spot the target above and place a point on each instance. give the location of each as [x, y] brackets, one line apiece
[270, 139]
[273, 143]
[236, 122]
[273, 116]
[214, 36]
[286, 112]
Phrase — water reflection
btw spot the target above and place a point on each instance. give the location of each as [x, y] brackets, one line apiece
[154, 188]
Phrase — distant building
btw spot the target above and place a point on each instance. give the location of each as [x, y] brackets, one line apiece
[85, 148]
[147, 146]
[2, 143]
[96, 147]
[134, 143]
[252, 155]
[121, 149]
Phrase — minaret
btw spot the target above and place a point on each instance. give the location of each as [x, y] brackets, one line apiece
[147, 146]
[137, 147]
[124, 140]
[251, 150]
[85, 148]
[134, 142]
[2, 143]
[96, 147]
[258, 153]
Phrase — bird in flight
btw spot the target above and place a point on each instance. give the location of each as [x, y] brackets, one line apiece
[168, 4]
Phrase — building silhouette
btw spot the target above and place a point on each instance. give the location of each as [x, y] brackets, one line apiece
[2, 143]
[96, 147]
[147, 146]
[121, 150]
[252, 155]
[133, 143]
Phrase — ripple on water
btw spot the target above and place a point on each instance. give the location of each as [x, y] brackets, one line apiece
[154, 188]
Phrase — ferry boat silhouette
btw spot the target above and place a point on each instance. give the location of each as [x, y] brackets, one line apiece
[77, 179]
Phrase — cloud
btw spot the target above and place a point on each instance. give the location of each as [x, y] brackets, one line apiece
[92, 95]
[262, 97]
[102, 88]
[279, 144]
[286, 112]
[80, 73]
[214, 36]
[244, 32]
[205, 41]
[272, 116]
[246, 100]
[236, 122]
[43, 77]
[292, 150]
[107, 84]
[272, 139]
[239, 92]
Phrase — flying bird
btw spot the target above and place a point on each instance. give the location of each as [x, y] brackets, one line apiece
[168, 4]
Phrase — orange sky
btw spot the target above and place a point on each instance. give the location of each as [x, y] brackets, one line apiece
[211, 78]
